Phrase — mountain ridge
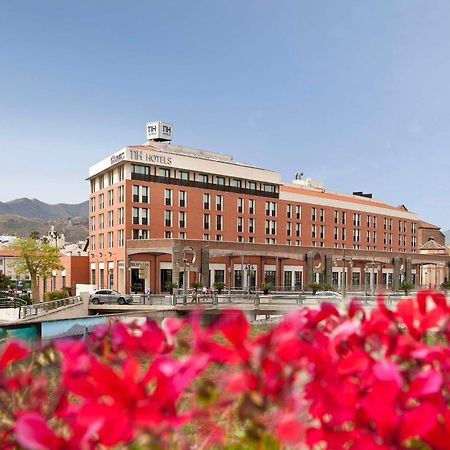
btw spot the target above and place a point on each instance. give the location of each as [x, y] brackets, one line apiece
[36, 209]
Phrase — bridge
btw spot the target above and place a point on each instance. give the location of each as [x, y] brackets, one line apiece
[158, 306]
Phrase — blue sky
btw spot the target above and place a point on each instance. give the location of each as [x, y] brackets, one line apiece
[353, 93]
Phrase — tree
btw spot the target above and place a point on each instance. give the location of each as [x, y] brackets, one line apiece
[5, 281]
[406, 286]
[35, 258]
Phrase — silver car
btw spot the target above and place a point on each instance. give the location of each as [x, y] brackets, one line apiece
[110, 296]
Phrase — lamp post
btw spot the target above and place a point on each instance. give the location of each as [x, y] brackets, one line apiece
[249, 268]
[344, 280]
[229, 280]
[188, 260]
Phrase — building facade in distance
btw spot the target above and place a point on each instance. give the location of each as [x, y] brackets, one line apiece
[151, 205]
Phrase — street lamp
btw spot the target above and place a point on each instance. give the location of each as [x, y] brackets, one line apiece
[229, 280]
[250, 268]
[344, 281]
[188, 260]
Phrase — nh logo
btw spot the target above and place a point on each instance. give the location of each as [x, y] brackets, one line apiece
[151, 129]
[167, 129]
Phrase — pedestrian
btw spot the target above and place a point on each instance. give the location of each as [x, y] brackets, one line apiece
[149, 293]
[194, 296]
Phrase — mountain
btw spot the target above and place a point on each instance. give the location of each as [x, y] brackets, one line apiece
[35, 209]
[22, 216]
[74, 230]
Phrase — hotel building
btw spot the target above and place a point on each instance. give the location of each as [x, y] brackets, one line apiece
[151, 205]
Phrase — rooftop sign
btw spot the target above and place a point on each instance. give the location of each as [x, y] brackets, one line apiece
[159, 131]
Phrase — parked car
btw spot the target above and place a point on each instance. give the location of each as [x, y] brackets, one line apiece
[328, 295]
[110, 296]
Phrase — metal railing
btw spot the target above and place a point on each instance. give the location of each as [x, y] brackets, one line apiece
[12, 302]
[44, 307]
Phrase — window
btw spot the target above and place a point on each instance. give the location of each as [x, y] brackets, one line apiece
[121, 171]
[168, 218]
[121, 191]
[110, 218]
[313, 231]
[206, 200]
[322, 232]
[144, 193]
[182, 219]
[239, 224]
[271, 209]
[272, 226]
[374, 221]
[288, 228]
[184, 175]
[220, 181]
[356, 220]
[168, 197]
[111, 197]
[240, 205]
[164, 173]
[135, 191]
[336, 233]
[135, 216]
[219, 202]
[120, 216]
[251, 185]
[336, 217]
[101, 221]
[92, 222]
[219, 237]
[182, 235]
[298, 212]
[167, 234]
[206, 221]
[251, 225]
[120, 238]
[369, 220]
[288, 211]
[142, 170]
[140, 234]
[251, 240]
[92, 203]
[206, 237]
[356, 235]
[322, 215]
[101, 201]
[101, 181]
[101, 241]
[251, 206]
[182, 199]
[219, 223]
[240, 238]
[202, 178]
[344, 217]
[298, 229]
[268, 187]
[343, 234]
[313, 214]
[236, 183]
[144, 218]
[110, 239]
